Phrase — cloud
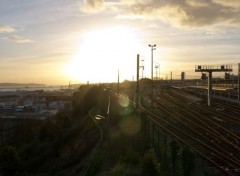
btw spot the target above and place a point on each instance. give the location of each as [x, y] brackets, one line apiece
[4, 28]
[197, 3]
[188, 13]
[179, 13]
[18, 39]
[230, 3]
[92, 6]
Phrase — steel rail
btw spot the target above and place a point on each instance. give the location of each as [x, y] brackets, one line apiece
[95, 150]
[215, 127]
[190, 125]
[222, 116]
[181, 136]
[225, 116]
[175, 132]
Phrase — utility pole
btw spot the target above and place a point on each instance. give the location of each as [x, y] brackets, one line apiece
[142, 68]
[156, 66]
[239, 82]
[153, 47]
[108, 115]
[210, 88]
[137, 90]
[171, 78]
[182, 78]
[159, 73]
[118, 83]
[210, 69]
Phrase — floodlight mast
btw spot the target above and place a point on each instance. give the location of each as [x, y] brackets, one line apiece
[153, 47]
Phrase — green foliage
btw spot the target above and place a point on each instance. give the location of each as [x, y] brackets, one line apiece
[131, 156]
[174, 153]
[123, 169]
[24, 131]
[10, 162]
[149, 164]
[118, 170]
[63, 119]
[48, 131]
[87, 97]
[188, 161]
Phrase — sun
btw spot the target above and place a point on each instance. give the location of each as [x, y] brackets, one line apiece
[102, 53]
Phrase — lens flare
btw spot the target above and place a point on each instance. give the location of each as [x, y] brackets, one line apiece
[123, 102]
[130, 125]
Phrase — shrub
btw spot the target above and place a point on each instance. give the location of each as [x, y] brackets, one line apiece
[122, 169]
[10, 162]
[149, 164]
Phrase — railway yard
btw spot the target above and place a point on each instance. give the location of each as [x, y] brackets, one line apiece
[212, 133]
[182, 115]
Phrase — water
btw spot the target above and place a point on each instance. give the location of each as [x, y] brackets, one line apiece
[24, 88]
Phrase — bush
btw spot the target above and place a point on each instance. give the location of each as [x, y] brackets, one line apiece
[10, 162]
[188, 161]
[122, 169]
[149, 164]
[131, 157]
[174, 153]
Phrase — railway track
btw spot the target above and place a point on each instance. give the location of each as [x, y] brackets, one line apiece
[220, 103]
[216, 144]
[229, 120]
[219, 138]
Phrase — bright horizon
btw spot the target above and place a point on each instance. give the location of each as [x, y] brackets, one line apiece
[54, 42]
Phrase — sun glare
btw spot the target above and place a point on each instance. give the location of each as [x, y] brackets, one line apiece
[102, 53]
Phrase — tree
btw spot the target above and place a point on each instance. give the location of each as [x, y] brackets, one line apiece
[174, 154]
[188, 161]
[10, 162]
[149, 164]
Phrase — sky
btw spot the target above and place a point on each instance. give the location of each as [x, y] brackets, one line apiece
[57, 41]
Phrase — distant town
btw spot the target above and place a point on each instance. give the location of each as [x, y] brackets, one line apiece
[33, 100]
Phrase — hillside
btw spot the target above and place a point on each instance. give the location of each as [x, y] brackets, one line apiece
[59, 145]
[64, 144]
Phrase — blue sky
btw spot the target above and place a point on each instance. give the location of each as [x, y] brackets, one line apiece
[57, 41]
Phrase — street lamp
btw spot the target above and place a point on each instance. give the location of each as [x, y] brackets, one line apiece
[153, 47]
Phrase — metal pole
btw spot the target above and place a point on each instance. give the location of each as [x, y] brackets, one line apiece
[159, 73]
[165, 148]
[156, 66]
[152, 48]
[210, 88]
[118, 82]
[142, 68]
[152, 76]
[158, 141]
[153, 135]
[239, 82]
[156, 72]
[137, 91]
[108, 116]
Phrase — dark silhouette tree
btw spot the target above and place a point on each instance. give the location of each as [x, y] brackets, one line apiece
[174, 154]
[188, 161]
[149, 164]
[10, 162]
